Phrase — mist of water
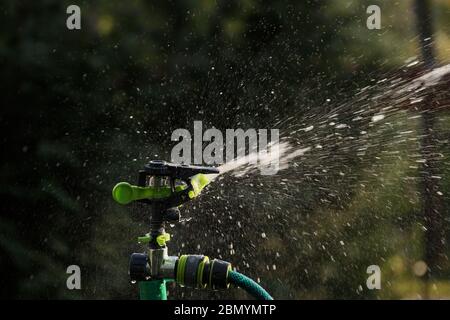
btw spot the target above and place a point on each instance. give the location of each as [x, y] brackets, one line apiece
[369, 113]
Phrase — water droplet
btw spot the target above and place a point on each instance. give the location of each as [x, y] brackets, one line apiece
[377, 117]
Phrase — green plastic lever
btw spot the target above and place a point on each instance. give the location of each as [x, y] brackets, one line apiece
[124, 193]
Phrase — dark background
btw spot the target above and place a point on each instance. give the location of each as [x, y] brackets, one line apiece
[82, 110]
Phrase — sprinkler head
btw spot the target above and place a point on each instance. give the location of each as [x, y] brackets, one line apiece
[165, 186]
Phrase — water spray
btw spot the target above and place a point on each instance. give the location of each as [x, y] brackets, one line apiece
[165, 187]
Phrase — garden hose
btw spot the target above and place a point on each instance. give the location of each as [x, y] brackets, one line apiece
[248, 285]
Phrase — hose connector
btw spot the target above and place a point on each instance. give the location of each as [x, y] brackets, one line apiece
[153, 265]
[197, 271]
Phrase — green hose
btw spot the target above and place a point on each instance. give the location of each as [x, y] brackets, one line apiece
[248, 285]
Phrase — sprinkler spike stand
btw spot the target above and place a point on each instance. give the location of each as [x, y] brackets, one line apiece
[153, 290]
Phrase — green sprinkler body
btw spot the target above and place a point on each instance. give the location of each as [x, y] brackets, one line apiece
[164, 187]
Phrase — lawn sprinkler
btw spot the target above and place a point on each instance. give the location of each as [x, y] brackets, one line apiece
[165, 187]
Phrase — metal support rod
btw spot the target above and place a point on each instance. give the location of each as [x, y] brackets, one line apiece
[157, 221]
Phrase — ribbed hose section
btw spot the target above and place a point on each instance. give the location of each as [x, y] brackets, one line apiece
[248, 285]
